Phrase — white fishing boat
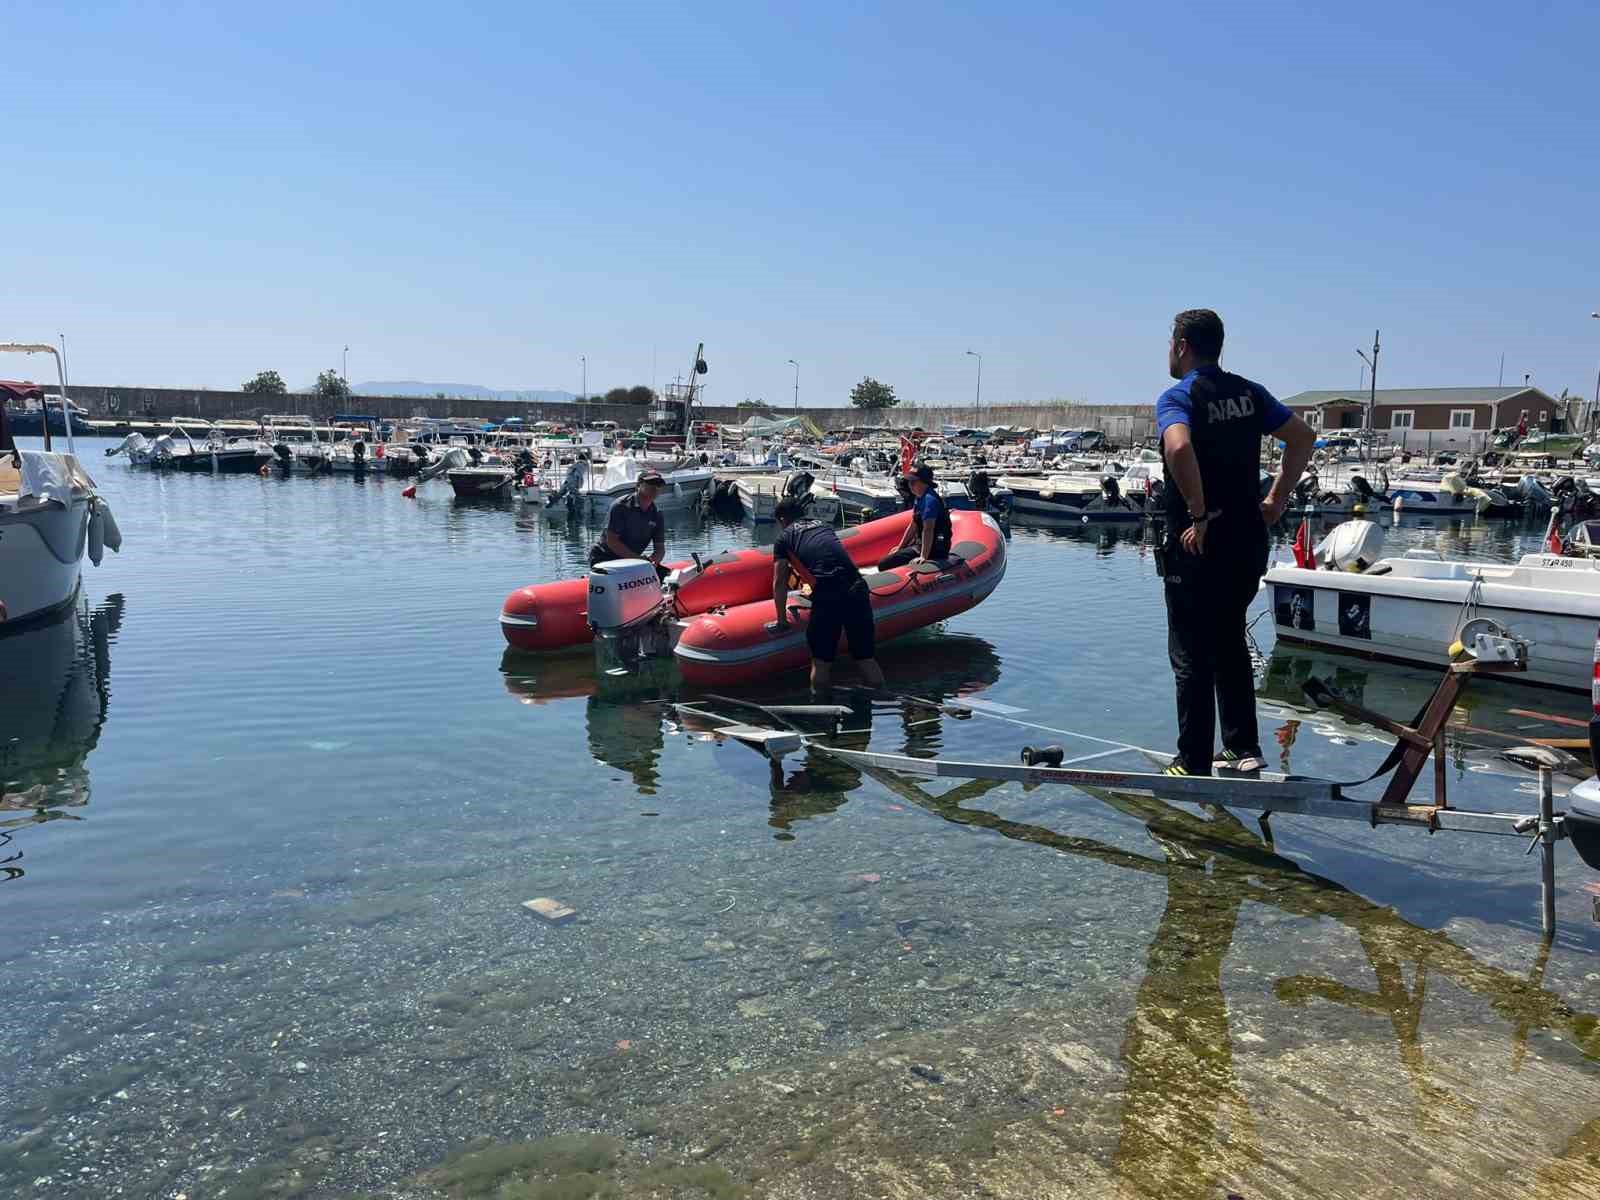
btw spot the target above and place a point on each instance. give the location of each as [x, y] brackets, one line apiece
[295, 442]
[1415, 608]
[861, 494]
[50, 516]
[684, 487]
[759, 496]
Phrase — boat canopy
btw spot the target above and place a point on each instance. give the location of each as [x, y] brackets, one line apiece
[20, 390]
[44, 475]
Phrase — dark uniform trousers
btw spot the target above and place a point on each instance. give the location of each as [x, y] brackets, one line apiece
[1207, 597]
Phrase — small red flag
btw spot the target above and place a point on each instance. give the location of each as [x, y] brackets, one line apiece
[1302, 544]
[1552, 539]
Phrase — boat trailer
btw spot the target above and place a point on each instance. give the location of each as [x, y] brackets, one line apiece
[1263, 792]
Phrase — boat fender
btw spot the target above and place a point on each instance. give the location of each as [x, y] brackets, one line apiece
[410, 493]
[1042, 756]
[112, 534]
[266, 469]
[97, 534]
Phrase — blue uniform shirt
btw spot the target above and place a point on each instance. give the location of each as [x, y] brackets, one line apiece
[1177, 403]
[1227, 416]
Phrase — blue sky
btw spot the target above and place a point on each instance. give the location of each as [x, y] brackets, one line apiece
[485, 193]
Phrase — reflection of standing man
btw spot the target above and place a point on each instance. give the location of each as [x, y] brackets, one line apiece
[1212, 423]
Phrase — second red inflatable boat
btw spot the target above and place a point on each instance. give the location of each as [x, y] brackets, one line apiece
[735, 646]
[555, 616]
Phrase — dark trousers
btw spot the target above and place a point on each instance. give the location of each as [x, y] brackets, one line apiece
[1206, 602]
[899, 558]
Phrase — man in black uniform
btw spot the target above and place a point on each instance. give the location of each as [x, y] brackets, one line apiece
[634, 523]
[840, 599]
[1215, 550]
[928, 535]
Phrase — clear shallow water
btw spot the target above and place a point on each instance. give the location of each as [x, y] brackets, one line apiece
[273, 938]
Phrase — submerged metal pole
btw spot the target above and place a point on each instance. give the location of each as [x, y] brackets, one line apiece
[1547, 851]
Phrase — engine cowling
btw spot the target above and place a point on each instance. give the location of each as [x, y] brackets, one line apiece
[622, 592]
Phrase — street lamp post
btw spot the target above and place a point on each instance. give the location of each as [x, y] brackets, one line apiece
[345, 371]
[1594, 413]
[978, 396]
[1372, 395]
[583, 389]
[796, 367]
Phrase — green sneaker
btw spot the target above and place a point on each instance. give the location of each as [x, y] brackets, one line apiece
[1249, 762]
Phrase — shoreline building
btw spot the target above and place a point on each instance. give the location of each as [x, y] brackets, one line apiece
[1432, 419]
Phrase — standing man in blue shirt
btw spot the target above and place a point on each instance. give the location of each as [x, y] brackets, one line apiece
[928, 535]
[1215, 551]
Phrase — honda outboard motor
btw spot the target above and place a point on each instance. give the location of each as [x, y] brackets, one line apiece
[284, 453]
[358, 451]
[1109, 490]
[626, 611]
[1360, 486]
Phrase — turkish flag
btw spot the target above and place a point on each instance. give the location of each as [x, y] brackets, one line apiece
[1302, 544]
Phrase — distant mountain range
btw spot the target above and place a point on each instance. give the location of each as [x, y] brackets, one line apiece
[467, 391]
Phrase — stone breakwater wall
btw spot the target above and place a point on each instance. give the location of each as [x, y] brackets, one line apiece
[1121, 421]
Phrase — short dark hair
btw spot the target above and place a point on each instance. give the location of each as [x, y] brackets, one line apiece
[1202, 329]
[789, 509]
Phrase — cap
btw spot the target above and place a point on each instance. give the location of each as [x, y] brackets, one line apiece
[653, 477]
[921, 471]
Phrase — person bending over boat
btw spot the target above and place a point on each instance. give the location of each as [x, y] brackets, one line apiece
[928, 535]
[634, 523]
[840, 598]
[1215, 548]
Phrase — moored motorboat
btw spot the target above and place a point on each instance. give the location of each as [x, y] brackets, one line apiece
[481, 481]
[685, 486]
[50, 516]
[1415, 608]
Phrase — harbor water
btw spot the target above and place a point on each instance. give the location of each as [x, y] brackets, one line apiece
[276, 794]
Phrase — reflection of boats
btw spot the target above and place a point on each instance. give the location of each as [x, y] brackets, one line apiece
[54, 691]
[1412, 608]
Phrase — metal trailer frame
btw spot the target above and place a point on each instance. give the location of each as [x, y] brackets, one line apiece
[1262, 792]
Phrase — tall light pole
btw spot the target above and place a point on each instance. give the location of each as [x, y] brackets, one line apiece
[345, 371]
[796, 367]
[978, 398]
[1372, 396]
[1594, 413]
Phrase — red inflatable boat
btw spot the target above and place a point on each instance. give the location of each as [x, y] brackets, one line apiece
[717, 649]
[555, 616]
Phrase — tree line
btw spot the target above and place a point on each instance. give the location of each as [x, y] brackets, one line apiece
[868, 394]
